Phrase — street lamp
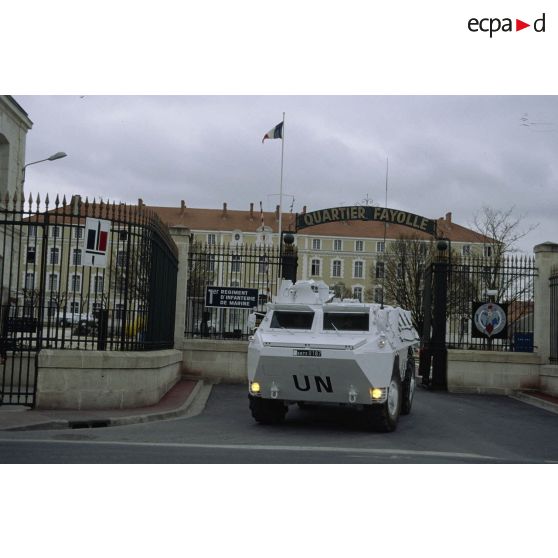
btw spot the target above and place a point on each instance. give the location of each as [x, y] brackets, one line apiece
[57, 155]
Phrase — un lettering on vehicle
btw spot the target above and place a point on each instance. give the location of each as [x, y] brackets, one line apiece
[322, 384]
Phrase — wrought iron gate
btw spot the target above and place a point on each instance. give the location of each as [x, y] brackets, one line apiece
[454, 287]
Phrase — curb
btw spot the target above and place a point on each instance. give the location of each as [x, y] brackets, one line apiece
[535, 401]
[161, 415]
[199, 389]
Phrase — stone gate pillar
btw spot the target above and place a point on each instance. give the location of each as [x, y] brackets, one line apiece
[546, 257]
[181, 236]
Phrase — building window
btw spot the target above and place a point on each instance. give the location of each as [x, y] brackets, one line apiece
[380, 270]
[55, 231]
[212, 239]
[358, 271]
[210, 260]
[119, 311]
[380, 246]
[336, 268]
[120, 258]
[235, 283]
[316, 244]
[98, 284]
[122, 236]
[235, 264]
[96, 306]
[399, 270]
[487, 251]
[53, 281]
[357, 293]
[30, 281]
[337, 245]
[54, 256]
[378, 295]
[32, 231]
[315, 267]
[466, 249]
[263, 264]
[31, 252]
[359, 245]
[75, 307]
[75, 283]
[76, 256]
[78, 232]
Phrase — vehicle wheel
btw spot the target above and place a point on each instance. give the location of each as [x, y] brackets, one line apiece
[409, 385]
[267, 411]
[384, 417]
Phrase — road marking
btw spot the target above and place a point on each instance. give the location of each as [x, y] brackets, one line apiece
[255, 447]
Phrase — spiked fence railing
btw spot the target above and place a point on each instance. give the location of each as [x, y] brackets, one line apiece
[51, 299]
[507, 281]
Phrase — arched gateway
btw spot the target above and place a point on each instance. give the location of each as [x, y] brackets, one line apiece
[435, 285]
[365, 213]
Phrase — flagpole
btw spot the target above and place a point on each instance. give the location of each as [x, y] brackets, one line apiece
[281, 185]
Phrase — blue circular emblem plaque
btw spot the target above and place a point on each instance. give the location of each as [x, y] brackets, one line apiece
[490, 319]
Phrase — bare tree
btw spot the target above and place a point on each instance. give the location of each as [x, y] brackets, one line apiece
[400, 273]
[502, 230]
[341, 290]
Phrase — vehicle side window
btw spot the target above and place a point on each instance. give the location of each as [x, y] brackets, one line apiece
[292, 320]
[346, 322]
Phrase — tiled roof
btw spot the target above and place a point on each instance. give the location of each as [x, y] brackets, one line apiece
[228, 220]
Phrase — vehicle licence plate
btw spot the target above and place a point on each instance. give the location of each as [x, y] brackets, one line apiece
[307, 352]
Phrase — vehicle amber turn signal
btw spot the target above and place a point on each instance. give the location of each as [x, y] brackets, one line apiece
[375, 393]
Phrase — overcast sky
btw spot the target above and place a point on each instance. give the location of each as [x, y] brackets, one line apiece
[452, 153]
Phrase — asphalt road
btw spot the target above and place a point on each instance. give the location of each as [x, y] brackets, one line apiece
[442, 428]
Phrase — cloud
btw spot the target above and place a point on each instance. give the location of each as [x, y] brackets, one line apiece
[446, 153]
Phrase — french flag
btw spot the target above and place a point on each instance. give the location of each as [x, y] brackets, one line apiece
[274, 133]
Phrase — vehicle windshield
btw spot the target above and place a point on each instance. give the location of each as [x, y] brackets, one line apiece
[346, 322]
[292, 320]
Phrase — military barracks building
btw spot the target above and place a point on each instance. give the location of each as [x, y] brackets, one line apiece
[335, 251]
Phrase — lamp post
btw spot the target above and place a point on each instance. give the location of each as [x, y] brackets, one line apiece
[57, 155]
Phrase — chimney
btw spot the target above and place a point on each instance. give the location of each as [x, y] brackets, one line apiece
[182, 207]
[75, 202]
[304, 210]
[224, 209]
[277, 213]
[448, 217]
[252, 211]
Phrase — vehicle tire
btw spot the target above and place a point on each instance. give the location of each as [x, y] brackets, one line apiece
[384, 417]
[409, 385]
[267, 411]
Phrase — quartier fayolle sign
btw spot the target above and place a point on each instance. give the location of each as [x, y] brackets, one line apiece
[365, 213]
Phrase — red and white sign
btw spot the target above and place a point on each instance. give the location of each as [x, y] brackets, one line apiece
[96, 242]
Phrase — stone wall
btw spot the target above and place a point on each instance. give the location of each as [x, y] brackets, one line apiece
[492, 371]
[215, 361]
[73, 379]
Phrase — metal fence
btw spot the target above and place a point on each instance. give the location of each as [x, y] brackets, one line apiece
[243, 267]
[554, 316]
[53, 298]
[508, 282]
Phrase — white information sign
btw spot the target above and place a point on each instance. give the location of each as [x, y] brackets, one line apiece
[96, 242]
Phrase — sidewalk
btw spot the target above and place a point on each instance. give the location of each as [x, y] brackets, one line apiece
[538, 399]
[177, 402]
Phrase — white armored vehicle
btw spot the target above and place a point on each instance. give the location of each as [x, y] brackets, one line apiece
[313, 349]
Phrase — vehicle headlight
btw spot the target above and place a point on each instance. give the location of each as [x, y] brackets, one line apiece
[382, 341]
[255, 387]
[377, 394]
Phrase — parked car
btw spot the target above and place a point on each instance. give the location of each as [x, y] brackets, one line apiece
[86, 326]
[65, 319]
